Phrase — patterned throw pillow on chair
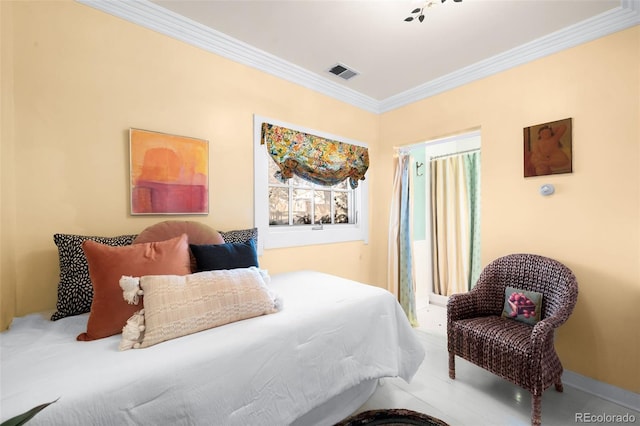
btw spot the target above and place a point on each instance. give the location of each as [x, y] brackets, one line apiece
[522, 305]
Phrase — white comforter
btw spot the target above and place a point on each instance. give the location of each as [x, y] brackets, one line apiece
[331, 335]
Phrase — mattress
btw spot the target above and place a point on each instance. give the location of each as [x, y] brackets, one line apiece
[332, 335]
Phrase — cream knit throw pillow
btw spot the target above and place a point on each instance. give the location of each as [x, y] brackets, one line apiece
[175, 306]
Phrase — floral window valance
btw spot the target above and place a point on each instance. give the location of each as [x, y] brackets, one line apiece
[313, 158]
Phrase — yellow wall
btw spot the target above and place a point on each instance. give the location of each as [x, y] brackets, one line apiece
[592, 222]
[74, 80]
[7, 170]
[82, 78]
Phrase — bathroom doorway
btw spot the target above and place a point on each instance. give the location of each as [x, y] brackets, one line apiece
[424, 156]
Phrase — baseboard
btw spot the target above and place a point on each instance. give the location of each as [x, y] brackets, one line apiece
[603, 390]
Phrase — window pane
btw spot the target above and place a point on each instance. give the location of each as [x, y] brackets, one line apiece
[341, 207]
[322, 211]
[309, 206]
[278, 206]
[342, 185]
[273, 168]
[294, 181]
[302, 206]
[297, 181]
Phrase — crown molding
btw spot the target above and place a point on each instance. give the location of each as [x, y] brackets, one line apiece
[159, 19]
[620, 18]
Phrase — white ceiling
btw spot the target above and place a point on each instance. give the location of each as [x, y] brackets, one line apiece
[398, 62]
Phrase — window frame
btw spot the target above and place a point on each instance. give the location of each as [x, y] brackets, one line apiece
[281, 236]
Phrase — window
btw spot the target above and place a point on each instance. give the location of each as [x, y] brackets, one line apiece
[300, 202]
[298, 211]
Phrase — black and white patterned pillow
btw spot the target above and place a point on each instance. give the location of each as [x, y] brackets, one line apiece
[75, 291]
[240, 235]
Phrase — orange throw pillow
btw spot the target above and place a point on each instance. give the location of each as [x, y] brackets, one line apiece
[107, 264]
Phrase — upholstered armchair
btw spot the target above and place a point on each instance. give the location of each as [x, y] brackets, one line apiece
[517, 351]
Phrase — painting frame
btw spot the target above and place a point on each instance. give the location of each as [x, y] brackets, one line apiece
[168, 174]
[548, 148]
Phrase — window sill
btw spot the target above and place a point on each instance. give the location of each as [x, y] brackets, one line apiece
[304, 235]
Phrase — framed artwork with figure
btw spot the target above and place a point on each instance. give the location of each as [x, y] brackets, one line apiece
[169, 173]
[548, 148]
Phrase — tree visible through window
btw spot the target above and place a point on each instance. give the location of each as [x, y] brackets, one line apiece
[299, 202]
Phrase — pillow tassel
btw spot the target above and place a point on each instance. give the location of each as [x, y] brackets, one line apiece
[133, 332]
[131, 289]
[278, 303]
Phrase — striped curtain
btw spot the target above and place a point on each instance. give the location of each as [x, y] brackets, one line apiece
[401, 276]
[455, 213]
[472, 168]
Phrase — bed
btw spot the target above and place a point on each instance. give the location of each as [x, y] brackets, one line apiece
[312, 363]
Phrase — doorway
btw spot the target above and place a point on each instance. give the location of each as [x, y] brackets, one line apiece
[422, 156]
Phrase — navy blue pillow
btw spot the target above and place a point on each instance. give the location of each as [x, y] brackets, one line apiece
[211, 257]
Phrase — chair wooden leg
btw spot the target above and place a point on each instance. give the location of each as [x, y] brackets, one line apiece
[536, 408]
[559, 387]
[452, 365]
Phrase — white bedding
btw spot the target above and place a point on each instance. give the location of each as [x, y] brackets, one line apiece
[331, 335]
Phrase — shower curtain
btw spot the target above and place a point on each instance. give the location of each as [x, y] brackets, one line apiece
[401, 277]
[455, 213]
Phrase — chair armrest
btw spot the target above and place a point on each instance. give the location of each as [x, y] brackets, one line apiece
[542, 337]
[545, 327]
[462, 305]
[542, 333]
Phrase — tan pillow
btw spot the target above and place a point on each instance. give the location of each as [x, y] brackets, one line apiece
[176, 306]
[198, 233]
[107, 264]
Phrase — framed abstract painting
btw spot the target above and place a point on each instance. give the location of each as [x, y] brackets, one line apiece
[169, 173]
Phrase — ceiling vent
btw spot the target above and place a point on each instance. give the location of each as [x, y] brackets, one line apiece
[342, 71]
